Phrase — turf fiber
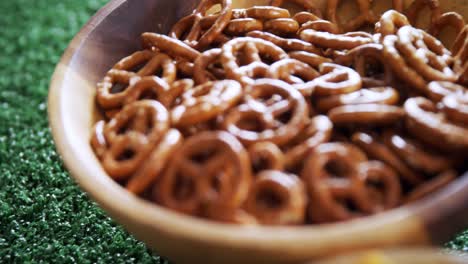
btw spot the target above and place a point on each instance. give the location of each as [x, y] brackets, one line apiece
[44, 217]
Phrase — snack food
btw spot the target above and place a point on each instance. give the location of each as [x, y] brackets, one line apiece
[257, 116]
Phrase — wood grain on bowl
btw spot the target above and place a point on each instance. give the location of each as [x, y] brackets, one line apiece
[113, 33]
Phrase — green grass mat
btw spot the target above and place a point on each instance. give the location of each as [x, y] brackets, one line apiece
[44, 217]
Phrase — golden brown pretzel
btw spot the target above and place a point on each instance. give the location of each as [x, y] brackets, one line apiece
[425, 54]
[190, 25]
[432, 186]
[153, 88]
[398, 64]
[366, 114]
[282, 26]
[359, 58]
[267, 12]
[122, 73]
[390, 22]
[414, 10]
[184, 67]
[257, 48]
[171, 46]
[304, 16]
[205, 102]
[313, 60]
[336, 79]
[318, 131]
[205, 67]
[154, 164]
[455, 107]
[300, 75]
[307, 5]
[273, 111]
[376, 95]
[449, 19]
[320, 25]
[98, 140]
[438, 90]
[366, 15]
[426, 124]
[277, 198]
[288, 44]
[332, 176]
[460, 52]
[266, 156]
[211, 168]
[415, 154]
[382, 184]
[241, 26]
[379, 151]
[333, 41]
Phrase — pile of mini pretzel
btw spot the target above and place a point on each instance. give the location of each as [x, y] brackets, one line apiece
[255, 116]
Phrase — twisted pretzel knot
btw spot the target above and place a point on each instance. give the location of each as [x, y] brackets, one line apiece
[273, 111]
[205, 102]
[366, 15]
[336, 79]
[277, 198]
[266, 156]
[298, 74]
[190, 25]
[414, 10]
[219, 174]
[257, 49]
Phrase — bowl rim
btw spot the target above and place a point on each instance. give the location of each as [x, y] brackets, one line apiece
[112, 196]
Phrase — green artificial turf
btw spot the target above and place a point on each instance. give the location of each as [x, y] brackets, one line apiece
[44, 217]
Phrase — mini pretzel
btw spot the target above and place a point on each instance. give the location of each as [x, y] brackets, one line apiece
[449, 19]
[275, 109]
[296, 73]
[288, 44]
[366, 114]
[282, 26]
[313, 60]
[277, 198]
[414, 10]
[432, 186]
[333, 41]
[122, 73]
[151, 88]
[455, 107]
[266, 156]
[438, 90]
[258, 48]
[460, 42]
[320, 25]
[317, 132]
[171, 46]
[359, 56]
[267, 12]
[401, 69]
[184, 67]
[336, 79]
[389, 194]
[147, 118]
[190, 25]
[377, 95]
[241, 26]
[460, 52]
[307, 5]
[329, 193]
[416, 155]
[210, 168]
[204, 67]
[425, 54]
[304, 16]
[154, 164]
[366, 15]
[205, 102]
[390, 22]
[379, 151]
[98, 140]
[426, 124]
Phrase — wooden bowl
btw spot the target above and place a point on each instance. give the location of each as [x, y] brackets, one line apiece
[398, 256]
[114, 33]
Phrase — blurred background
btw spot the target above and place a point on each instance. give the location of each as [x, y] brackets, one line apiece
[44, 217]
